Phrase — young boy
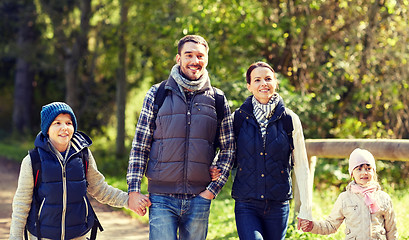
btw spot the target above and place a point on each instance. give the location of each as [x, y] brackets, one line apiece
[60, 208]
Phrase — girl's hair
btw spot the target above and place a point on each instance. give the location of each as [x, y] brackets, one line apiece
[254, 66]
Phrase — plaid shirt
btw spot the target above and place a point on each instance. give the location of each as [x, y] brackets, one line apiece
[142, 142]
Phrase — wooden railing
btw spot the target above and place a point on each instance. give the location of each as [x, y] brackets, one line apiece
[382, 149]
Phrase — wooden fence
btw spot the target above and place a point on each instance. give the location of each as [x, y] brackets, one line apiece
[382, 149]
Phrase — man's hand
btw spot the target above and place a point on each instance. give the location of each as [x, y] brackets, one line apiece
[207, 194]
[215, 173]
[305, 225]
[138, 202]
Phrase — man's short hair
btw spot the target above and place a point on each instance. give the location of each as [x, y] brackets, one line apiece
[192, 38]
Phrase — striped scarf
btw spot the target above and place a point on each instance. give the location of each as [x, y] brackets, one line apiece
[186, 83]
[263, 112]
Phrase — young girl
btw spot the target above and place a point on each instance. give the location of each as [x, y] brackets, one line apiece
[60, 209]
[366, 209]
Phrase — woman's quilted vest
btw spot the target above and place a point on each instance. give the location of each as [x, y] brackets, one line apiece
[263, 169]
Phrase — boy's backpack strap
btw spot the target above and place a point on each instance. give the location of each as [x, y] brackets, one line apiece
[36, 165]
[85, 161]
[97, 225]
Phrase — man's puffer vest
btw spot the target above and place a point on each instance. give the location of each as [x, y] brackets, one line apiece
[62, 193]
[182, 148]
[263, 172]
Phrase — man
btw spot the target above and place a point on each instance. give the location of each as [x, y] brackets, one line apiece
[175, 146]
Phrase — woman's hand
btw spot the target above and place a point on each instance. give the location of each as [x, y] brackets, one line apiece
[215, 173]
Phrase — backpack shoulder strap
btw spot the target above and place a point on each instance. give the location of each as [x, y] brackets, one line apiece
[85, 161]
[288, 127]
[219, 101]
[238, 121]
[36, 165]
[159, 99]
[219, 105]
[97, 224]
[159, 96]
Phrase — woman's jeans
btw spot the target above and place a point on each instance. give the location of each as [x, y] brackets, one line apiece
[167, 215]
[261, 219]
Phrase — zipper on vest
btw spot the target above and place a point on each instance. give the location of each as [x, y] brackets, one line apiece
[40, 209]
[189, 100]
[64, 200]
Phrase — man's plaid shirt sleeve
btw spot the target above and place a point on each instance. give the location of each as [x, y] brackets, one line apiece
[227, 148]
[141, 144]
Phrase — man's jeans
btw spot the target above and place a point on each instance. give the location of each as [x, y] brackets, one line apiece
[167, 215]
[261, 219]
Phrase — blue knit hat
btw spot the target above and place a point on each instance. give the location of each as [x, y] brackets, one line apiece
[50, 111]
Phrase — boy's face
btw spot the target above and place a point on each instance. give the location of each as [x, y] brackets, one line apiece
[61, 131]
[363, 174]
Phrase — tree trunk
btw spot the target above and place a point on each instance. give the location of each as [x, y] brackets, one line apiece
[75, 57]
[121, 92]
[23, 81]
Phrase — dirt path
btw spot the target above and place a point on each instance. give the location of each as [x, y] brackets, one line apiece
[116, 224]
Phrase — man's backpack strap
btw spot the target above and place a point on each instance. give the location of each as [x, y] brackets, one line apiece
[159, 99]
[219, 105]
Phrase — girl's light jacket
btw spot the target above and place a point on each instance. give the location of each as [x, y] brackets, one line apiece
[97, 188]
[360, 223]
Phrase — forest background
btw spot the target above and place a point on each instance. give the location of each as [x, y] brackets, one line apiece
[342, 66]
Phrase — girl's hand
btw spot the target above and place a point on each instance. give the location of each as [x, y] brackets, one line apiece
[305, 225]
[215, 173]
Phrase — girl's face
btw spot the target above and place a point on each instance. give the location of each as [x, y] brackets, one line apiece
[61, 131]
[363, 174]
[263, 84]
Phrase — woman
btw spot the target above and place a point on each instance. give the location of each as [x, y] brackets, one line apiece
[264, 159]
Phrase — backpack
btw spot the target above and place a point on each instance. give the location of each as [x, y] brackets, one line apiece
[239, 117]
[219, 102]
[36, 165]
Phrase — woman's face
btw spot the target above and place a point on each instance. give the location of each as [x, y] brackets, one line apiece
[363, 174]
[263, 84]
[61, 131]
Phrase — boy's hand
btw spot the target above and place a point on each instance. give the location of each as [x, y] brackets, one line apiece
[138, 203]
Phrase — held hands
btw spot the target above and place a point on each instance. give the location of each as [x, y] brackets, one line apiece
[305, 225]
[215, 173]
[138, 203]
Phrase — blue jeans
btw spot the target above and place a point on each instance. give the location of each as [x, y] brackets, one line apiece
[261, 219]
[167, 215]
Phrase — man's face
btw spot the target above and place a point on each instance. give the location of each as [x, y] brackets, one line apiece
[192, 60]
